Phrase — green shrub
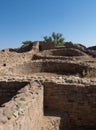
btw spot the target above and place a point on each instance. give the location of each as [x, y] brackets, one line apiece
[27, 42]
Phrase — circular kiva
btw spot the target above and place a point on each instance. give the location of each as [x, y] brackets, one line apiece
[62, 53]
[54, 66]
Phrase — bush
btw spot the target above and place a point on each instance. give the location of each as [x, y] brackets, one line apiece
[27, 42]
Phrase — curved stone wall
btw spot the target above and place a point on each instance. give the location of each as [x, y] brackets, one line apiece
[54, 66]
[63, 52]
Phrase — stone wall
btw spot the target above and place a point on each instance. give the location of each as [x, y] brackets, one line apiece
[40, 56]
[63, 52]
[25, 110]
[11, 57]
[67, 104]
[46, 45]
[55, 85]
[54, 66]
[76, 101]
[8, 90]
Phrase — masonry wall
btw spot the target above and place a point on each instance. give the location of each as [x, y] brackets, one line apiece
[40, 56]
[46, 45]
[63, 52]
[78, 102]
[24, 111]
[9, 89]
[53, 66]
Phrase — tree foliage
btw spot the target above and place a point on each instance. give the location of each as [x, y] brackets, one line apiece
[57, 38]
[27, 42]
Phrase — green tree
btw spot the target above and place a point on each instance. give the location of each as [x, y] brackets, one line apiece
[27, 42]
[57, 38]
[47, 39]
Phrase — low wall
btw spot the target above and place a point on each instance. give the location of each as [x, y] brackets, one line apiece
[40, 56]
[63, 52]
[25, 110]
[54, 66]
[9, 89]
[77, 101]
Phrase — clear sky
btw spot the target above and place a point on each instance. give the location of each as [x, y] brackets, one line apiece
[22, 20]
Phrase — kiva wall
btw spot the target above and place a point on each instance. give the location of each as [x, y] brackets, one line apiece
[63, 52]
[54, 66]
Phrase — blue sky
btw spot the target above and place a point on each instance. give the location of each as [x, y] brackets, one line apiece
[22, 20]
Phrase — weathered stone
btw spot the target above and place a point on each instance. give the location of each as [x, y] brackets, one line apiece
[47, 88]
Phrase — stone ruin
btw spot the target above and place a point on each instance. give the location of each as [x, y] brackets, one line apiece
[43, 87]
